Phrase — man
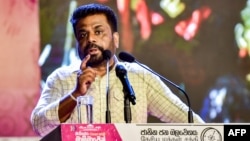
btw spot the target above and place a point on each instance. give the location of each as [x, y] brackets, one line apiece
[95, 29]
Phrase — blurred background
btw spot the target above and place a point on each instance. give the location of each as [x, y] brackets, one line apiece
[202, 46]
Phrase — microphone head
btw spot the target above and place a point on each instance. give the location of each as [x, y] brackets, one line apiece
[126, 57]
[106, 54]
[120, 70]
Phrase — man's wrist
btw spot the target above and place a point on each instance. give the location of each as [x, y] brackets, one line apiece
[72, 97]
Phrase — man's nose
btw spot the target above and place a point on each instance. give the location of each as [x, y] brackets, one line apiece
[92, 38]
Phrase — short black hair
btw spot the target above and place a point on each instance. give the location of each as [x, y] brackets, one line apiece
[91, 9]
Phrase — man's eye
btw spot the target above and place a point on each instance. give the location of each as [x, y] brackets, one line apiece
[98, 32]
[83, 35]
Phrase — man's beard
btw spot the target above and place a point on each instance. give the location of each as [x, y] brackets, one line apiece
[94, 60]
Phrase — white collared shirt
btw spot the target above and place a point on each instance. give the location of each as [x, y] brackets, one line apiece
[152, 97]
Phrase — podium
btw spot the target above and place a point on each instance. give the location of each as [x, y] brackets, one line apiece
[83, 132]
[136, 132]
[55, 135]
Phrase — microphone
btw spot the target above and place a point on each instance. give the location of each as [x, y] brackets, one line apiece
[129, 58]
[121, 73]
[107, 55]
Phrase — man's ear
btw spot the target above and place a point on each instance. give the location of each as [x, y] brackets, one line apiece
[116, 39]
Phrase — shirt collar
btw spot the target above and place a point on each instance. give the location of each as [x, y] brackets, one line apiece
[75, 66]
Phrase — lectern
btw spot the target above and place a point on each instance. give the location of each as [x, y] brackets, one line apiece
[83, 132]
[136, 132]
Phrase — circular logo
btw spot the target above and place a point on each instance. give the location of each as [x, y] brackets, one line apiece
[211, 134]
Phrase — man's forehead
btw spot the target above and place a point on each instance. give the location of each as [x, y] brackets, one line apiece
[93, 21]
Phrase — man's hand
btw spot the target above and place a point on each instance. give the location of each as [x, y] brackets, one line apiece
[85, 77]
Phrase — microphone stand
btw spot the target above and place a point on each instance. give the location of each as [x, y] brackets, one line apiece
[127, 109]
[108, 117]
[190, 112]
[128, 91]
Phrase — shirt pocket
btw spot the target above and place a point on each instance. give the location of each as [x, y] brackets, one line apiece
[116, 93]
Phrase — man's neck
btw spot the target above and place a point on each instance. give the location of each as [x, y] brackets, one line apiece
[101, 69]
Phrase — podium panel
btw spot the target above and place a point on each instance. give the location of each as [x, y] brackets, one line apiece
[148, 132]
[54, 135]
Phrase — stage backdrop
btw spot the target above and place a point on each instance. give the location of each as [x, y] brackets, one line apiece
[19, 69]
[201, 45]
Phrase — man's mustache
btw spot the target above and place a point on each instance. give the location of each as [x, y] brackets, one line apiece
[91, 45]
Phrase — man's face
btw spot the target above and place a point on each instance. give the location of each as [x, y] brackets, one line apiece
[94, 35]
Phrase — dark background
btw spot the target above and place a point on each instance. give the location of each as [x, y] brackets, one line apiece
[208, 62]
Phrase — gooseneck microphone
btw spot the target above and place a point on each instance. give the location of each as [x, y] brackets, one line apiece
[107, 55]
[121, 73]
[129, 58]
[129, 95]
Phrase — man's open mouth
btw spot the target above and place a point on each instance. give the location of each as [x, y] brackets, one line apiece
[93, 50]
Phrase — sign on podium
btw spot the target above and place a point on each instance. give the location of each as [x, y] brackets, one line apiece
[148, 132]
